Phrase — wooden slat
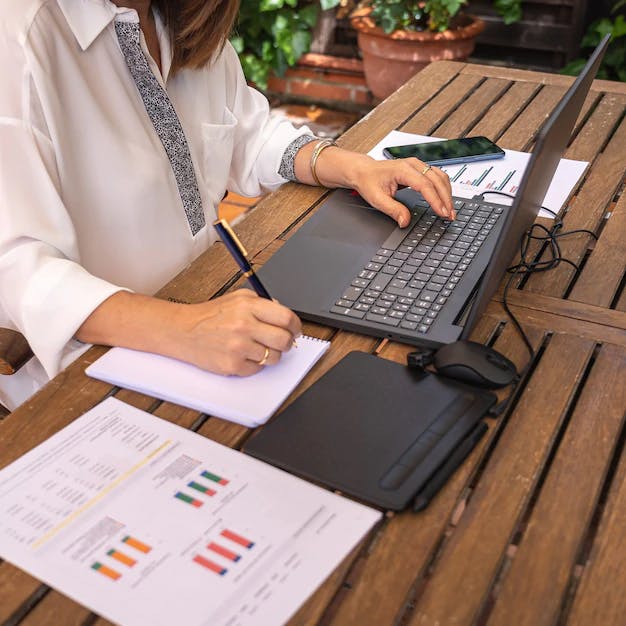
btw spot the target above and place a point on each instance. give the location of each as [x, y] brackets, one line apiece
[500, 116]
[600, 597]
[546, 78]
[428, 118]
[536, 583]
[56, 609]
[379, 590]
[603, 272]
[598, 128]
[587, 211]
[562, 325]
[464, 573]
[16, 587]
[473, 109]
[571, 312]
[522, 131]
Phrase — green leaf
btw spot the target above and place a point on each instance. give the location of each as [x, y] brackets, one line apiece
[329, 4]
[237, 42]
[271, 5]
[309, 15]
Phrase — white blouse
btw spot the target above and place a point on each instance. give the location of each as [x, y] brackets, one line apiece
[88, 200]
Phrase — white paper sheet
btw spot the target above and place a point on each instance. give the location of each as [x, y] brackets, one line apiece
[94, 512]
[503, 174]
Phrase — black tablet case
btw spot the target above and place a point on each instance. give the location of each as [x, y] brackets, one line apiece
[372, 428]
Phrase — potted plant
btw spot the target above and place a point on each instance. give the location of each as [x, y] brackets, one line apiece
[397, 38]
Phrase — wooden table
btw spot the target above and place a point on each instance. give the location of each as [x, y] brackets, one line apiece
[530, 530]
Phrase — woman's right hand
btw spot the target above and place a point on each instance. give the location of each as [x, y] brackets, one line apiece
[229, 335]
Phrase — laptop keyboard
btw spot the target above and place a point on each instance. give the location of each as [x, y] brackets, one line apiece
[409, 280]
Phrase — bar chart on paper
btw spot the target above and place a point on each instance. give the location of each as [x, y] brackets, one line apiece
[488, 178]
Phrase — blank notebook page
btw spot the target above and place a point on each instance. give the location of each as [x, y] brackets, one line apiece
[250, 401]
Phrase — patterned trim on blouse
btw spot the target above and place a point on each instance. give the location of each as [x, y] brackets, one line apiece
[287, 163]
[165, 121]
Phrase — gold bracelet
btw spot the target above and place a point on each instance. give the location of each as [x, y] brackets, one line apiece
[319, 148]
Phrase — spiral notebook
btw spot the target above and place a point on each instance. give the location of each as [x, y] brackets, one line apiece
[249, 401]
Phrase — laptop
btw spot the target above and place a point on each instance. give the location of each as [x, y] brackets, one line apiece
[352, 267]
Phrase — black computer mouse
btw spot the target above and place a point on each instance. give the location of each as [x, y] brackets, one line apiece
[475, 364]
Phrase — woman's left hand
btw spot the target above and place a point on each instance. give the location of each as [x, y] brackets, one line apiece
[378, 181]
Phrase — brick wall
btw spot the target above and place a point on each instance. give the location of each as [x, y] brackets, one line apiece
[326, 81]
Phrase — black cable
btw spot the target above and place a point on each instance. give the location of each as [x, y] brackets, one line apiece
[550, 237]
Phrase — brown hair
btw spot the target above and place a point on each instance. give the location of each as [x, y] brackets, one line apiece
[198, 28]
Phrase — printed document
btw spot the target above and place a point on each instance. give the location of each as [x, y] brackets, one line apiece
[145, 522]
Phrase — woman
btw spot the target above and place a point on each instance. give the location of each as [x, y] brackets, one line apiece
[122, 124]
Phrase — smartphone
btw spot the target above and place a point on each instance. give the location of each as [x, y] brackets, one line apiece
[448, 152]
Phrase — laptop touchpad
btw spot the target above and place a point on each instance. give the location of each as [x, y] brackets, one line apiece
[350, 223]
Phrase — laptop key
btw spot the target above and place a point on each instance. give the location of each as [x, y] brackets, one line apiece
[412, 317]
[347, 312]
[352, 293]
[428, 296]
[423, 328]
[360, 282]
[390, 270]
[382, 319]
[379, 310]
[346, 304]
[408, 325]
[380, 282]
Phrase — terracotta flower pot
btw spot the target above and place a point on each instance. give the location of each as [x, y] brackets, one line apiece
[390, 60]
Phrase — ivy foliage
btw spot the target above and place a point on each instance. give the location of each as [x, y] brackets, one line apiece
[271, 35]
[614, 63]
[433, 15]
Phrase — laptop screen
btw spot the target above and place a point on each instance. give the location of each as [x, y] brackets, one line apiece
[552, 140]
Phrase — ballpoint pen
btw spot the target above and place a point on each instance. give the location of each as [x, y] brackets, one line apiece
[238, 252]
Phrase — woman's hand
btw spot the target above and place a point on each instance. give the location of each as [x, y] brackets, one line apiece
[229, 335]
[378, 181]
[235, 334]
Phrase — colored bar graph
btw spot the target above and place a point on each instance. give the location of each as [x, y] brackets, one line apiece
[106, 571]
[225, 552]
[506, 180]
[215, 478]
[482, 177]
[201, 488]
[459, 173]
[135, 543]
[188, 499]
[121, 557]
[214, 567]
[242, 541]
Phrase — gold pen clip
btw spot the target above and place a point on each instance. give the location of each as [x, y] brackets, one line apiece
[231, 232]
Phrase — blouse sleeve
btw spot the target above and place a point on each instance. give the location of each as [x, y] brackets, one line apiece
[261, 140]
[44, 292]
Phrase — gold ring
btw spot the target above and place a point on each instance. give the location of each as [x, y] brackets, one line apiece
[426, 170]
[263, 361]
